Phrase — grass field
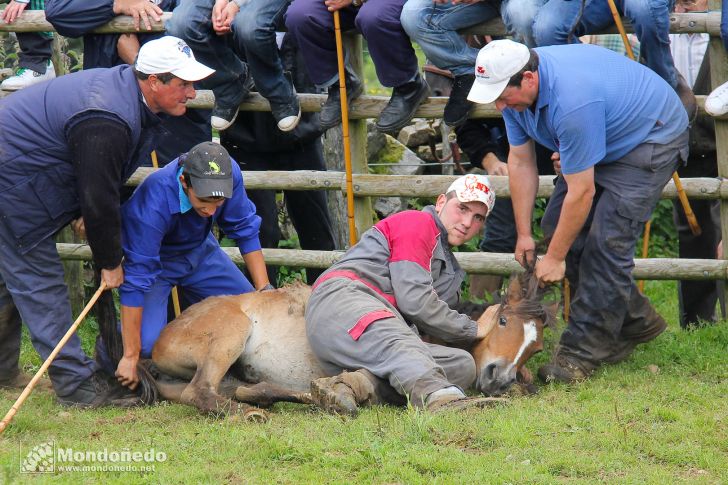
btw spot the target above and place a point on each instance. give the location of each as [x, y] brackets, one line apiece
[661, 417]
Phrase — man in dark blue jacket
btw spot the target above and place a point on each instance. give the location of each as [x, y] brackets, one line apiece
[68, 146]
[168, 242]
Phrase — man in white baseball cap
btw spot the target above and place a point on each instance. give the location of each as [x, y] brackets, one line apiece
[621, 131]
[172, 55]
[69, 145]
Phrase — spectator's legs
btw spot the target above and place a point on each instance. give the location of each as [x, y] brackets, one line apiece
[313, 27]
[434, 27]
[308, 209]
[191, 21]
[254, 28]
[518, 16]
[35, 51]
[697, 299]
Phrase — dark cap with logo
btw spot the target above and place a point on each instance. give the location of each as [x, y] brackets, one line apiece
[210, 169]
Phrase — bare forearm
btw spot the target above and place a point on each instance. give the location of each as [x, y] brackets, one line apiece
[523, 182]
[574, 212]
[256, 266]
[131, 330]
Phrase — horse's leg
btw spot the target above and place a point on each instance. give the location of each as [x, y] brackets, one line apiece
[213, 361]
[265, 394]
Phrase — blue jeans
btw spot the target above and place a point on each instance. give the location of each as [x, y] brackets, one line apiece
[434, 27]
[192, 22]
[557, 19]
[254, 32]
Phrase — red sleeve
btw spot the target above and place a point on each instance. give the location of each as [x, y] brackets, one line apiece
[412, 236]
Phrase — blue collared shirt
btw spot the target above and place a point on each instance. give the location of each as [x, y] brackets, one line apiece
[595, 106]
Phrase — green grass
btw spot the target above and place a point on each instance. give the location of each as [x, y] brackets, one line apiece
[631, 423]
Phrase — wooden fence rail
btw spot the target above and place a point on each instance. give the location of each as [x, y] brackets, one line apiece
[370, 185]
[694, 22]
[489, 263]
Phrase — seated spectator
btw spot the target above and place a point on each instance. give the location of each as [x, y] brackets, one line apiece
[434, 26]
[205, 26]
[564, 21]
[697, 299]
[167, 241]
[312, 24]
[255, 142]
[34, 58]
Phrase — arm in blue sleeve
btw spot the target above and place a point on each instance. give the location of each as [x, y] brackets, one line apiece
[238, 219]
[144, 225]
[74, 18]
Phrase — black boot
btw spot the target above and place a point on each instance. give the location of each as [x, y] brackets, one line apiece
[458, 106]
[402, 105]
[331, 110]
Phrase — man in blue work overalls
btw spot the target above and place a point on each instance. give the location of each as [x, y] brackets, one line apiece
[167, 241]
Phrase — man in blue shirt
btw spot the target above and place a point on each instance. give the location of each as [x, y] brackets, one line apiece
[167, 241]
[621, 132]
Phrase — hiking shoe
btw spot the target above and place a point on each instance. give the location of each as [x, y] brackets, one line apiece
[716, 104]
[687, 98]
[25, 77]
[458, 107]
[402, 105]
[331, 109]
[566, 369]
[223, 116]
[92, 393]
[287, 115]
[635, 333]
[19, 380]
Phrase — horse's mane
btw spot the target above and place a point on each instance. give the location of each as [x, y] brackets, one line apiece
[531, 304]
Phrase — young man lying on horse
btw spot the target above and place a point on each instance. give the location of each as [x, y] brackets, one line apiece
[367, 311]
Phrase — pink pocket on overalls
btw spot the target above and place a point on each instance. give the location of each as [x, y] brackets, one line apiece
[358, 329]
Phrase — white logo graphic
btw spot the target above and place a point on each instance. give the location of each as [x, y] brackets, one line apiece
[41, 459]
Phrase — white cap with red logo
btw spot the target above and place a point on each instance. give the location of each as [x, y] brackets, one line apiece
[474, 188]
[496, 63]
[173, 55]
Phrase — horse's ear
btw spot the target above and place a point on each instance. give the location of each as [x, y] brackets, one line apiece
[515, 289]
[552, 309]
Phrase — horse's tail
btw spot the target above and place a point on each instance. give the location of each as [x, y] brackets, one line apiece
[105, 312]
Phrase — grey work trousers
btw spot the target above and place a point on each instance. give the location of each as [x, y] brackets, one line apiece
[389, 348]
[600, 261]
[33, 282]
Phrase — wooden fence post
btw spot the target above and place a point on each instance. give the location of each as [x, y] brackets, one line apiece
[719, 75]
[334, 154]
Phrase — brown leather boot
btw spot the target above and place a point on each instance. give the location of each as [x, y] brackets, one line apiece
[566, 369]
[344, 393]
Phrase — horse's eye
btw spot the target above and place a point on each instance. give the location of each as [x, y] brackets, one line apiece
[502, 321]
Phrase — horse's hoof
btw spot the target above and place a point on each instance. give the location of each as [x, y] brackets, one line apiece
[256, 415]
[334, 395]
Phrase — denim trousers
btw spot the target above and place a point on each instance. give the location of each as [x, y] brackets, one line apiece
[192, 22]
[435, 28]
[558, 20]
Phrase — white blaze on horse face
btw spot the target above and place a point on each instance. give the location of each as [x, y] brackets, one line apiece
[530, 334]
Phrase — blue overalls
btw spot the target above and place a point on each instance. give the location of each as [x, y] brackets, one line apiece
[166, 243]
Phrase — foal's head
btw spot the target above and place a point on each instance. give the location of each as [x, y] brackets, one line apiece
[516, 334]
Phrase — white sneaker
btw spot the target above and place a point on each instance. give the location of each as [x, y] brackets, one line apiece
[25, 77]
[716, 104]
